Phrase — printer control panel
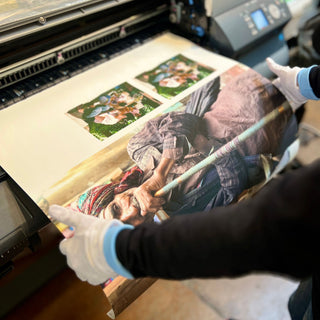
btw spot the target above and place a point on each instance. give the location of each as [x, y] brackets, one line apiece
[244, 24]
[263, 16]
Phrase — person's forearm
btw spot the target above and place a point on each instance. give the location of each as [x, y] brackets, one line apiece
[314, 79]
[276, 231]
[309, 82]
[164, 167]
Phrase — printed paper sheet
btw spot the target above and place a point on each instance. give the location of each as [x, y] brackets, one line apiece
[40, 144]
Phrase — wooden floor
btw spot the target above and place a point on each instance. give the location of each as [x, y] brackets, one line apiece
[64, 297]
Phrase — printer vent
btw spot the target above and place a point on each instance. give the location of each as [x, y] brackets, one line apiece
[52, 59]
[90, 45]
[26, 72]
[87, 46]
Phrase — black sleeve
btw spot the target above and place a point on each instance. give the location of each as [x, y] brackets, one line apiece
[314, 78]
[277, 231]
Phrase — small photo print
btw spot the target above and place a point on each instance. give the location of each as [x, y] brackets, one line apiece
[113, 110]
[175, 75]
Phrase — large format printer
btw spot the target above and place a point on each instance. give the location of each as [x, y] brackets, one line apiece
[42, 44]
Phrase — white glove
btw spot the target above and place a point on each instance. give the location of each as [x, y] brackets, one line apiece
[287, 83]
[84, 250]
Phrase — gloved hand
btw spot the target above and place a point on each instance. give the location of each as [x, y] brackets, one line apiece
[84, 251]
[287, 83]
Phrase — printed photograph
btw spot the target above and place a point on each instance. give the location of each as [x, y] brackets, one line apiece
[121, 180]
[113, 110]
[185, 134]
[175, 75]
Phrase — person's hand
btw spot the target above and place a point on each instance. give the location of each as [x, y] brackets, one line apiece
[287, 83]
[84, 250]
[145, 194]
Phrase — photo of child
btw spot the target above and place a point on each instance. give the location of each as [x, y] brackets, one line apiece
[113, 110]
[175, 75]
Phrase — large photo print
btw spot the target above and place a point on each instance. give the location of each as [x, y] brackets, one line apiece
[200, 124]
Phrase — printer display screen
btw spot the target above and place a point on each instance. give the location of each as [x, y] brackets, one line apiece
[259, 19]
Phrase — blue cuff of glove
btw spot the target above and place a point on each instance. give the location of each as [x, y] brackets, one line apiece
[304, 83]
[109, 250]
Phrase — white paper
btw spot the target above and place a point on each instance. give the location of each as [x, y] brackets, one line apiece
[40, 144]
